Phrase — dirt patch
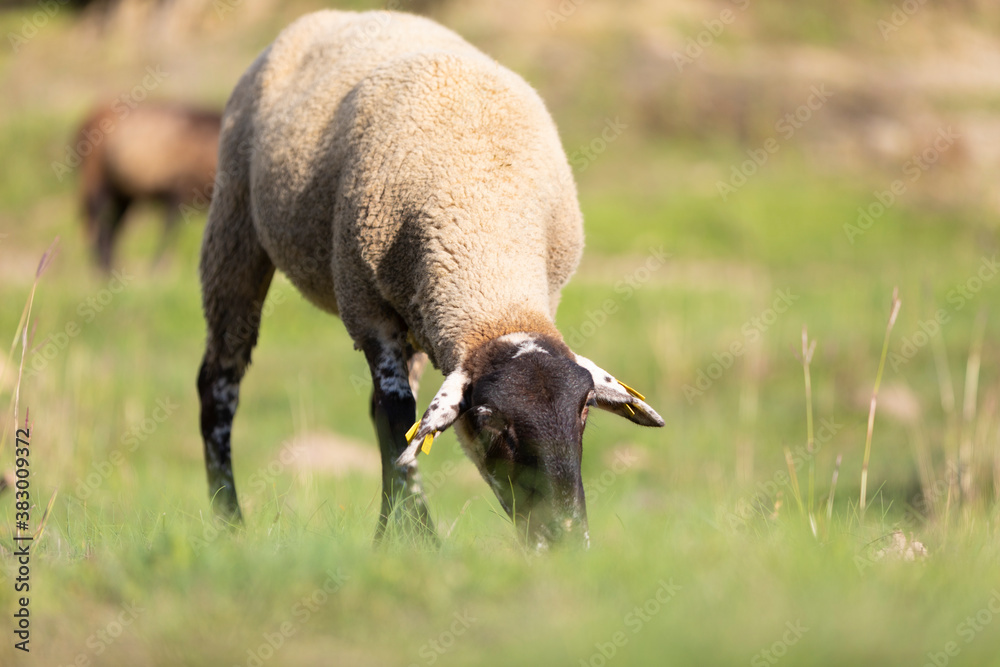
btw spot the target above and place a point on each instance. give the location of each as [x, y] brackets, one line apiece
[331, 454]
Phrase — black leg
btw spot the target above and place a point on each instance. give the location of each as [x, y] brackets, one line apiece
[393, 410]
[218, 390]
[107, 213]
[235, 276]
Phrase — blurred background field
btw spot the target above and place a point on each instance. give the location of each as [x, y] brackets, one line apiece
[755, 143]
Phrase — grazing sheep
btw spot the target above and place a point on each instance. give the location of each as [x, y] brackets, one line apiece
[159, 152]
[407, 182]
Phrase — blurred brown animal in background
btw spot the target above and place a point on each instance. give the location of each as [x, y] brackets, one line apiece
[159, 152]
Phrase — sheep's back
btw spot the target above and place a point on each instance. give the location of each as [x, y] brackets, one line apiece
[467, 217]
[389, 148]
[289, 102]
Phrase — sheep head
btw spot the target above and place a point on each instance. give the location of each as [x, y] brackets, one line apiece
[519, 405]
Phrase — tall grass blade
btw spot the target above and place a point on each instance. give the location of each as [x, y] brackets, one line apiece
[896, 303]
[22, 333]
[970, 396]
[807, 354]
[833, 490]
[793, 478]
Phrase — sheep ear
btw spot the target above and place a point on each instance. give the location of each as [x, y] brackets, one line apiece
[617, 397]
[440, 414]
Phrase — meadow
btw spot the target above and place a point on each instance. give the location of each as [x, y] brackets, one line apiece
[734, 535]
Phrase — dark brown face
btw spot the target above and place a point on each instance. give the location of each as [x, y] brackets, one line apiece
[519, 404]
[522, 424]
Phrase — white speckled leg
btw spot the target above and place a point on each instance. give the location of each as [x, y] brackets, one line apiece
[217, 424]
[392, 362]
[234, 285]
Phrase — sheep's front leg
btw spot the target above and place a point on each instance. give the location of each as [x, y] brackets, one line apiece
[393, 410]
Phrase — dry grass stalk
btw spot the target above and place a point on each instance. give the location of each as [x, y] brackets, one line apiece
[807, 354]
[833, 491]
[22, 333]
[969, 401]
[793, 478]
[896, 303]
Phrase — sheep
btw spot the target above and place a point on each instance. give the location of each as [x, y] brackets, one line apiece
[406, 182]
[156, 151]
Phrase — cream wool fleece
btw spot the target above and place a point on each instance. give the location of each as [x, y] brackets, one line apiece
[391, 170]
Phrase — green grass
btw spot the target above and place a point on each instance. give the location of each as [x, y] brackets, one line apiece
[701, 505]
[668, 517]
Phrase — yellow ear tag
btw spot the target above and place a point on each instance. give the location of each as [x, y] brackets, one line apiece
[632, 391]
[428, 441]
[412, 431]
[631, 411]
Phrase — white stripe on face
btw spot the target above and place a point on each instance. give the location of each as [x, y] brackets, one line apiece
[526, 344]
